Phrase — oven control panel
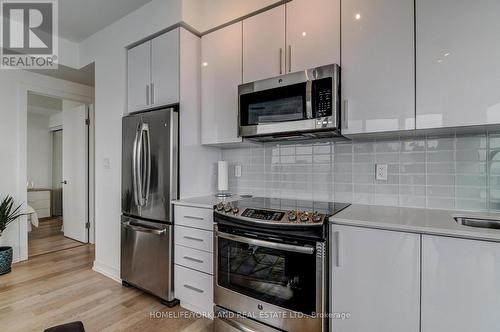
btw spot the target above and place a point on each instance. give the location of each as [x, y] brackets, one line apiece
[263, 214]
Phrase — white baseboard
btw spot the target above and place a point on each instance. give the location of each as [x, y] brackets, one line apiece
[107, 271]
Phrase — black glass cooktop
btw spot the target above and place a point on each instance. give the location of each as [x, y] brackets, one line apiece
[280, 204]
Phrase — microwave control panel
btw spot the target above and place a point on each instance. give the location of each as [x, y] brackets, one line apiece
[322, 97]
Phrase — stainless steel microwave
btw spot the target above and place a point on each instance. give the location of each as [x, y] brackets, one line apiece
[292, 106]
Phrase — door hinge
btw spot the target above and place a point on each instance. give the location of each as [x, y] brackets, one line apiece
[87, 122]
[87, 225]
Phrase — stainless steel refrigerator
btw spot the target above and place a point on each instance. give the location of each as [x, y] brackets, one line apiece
[149, 183]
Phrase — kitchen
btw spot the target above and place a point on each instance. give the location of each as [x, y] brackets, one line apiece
[303, 165]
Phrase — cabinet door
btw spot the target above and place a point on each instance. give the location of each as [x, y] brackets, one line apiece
[312, 34]
[378, 66]
[263, 45]
[376, 279]
[165, 69]
[220, 77]
[139, 77]
[457, 63]
[460, 285]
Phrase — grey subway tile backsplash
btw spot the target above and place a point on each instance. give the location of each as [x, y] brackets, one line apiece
[459, 172]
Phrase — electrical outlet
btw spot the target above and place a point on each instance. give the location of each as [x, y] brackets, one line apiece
[381, 172]
[237, 171]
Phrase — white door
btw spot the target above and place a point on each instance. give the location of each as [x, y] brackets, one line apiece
[139, 77]
[312, 34]
[458, 72]
[264, 45]
[165, 69]
[378, 66]
[376, 279]
[460, 285]
[220, 77]
[75, 171]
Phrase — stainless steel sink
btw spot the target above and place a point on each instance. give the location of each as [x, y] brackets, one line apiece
[477, 222]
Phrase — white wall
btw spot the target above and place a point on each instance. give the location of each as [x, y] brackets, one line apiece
[206, 14]
[39, 153]
[55, 121]
[107, 49]
[14, 85]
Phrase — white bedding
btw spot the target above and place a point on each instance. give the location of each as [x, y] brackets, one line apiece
[33, 217]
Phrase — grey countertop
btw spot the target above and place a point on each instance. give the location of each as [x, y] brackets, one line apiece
[204, 202]
[423, 221]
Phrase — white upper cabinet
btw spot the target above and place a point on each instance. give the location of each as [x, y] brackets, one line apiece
[264, 45]
[139, 77]
[312, 34]
[165, 69]
[376, 278]
[460, 284]
[153, 72]
[221, 65]
[458, 72]
[378, 79]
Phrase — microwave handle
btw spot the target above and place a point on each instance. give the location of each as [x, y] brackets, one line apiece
[345, 114]
[274, 245]
[309, 113]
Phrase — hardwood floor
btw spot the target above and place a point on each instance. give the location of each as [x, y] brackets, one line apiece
[60, 287]
[48, 237]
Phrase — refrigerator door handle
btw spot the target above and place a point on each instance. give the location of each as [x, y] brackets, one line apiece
[135, 183]
[145, 130]
[139, 168]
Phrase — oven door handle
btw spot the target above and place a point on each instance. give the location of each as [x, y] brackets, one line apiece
[273, 245]
[238, 326]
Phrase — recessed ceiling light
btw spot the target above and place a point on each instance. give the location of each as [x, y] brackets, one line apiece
[357, 16]
[447, 54]
[304, 34]
[204, 64]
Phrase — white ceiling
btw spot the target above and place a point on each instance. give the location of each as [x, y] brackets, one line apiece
[80, 19]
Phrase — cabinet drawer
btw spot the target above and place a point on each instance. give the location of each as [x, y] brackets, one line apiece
[195, 259]
[38, 195]
[42, 204]
[43, 213]
[194, 238]
[194, 217]
[194, 288]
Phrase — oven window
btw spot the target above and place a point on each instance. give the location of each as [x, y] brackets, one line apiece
[275, 105]
[285, 279]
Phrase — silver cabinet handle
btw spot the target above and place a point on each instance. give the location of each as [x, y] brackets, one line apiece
[147, 94]
[196, 260]
[289, 58]
[345, 115]
[308, 250]
[195, 218]
[194, 289]
[336, 240]
[152, 93]
[193, 238]
[281, 61]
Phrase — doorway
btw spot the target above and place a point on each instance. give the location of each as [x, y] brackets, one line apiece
[57, 174]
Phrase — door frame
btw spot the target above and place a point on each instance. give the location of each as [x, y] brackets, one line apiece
[23, 91]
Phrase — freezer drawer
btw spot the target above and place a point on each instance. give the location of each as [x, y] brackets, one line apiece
[146, 256]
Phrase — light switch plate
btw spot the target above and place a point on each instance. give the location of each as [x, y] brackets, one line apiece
[237, 171]
[381, 172]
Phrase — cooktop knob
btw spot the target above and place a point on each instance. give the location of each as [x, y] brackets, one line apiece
[236, 210]
[228, 208]
[304, 217]
[292, 216]
[317, 218]
[220, 207]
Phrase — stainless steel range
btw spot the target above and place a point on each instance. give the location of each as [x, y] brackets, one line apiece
[271, 264]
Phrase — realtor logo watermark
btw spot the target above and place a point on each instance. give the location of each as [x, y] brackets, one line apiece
[29, 34]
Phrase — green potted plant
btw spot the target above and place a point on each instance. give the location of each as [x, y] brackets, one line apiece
[8, 214]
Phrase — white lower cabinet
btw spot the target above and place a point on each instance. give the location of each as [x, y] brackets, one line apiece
[194, 289]
[193, 258]
[460, 285]
[376, 279]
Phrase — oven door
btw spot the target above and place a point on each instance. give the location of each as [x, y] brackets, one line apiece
[280, 284]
